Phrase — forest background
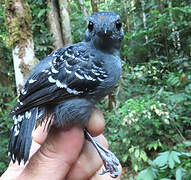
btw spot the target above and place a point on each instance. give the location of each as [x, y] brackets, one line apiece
[148, 117]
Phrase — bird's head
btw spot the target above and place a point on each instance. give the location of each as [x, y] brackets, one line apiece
[105, 30]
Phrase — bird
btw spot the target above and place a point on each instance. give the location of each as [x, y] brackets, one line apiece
[67, 84]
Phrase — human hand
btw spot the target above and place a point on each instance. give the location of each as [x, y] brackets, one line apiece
[62, 155]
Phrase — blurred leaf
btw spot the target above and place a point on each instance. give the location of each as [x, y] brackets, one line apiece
[179, 173]
[147, 174]
[177, 98]
[187, 143]
[162, 159]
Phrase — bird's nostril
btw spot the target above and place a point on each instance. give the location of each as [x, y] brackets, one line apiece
[108, 32]
[105, 32]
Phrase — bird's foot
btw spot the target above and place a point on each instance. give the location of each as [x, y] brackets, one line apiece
[110, 161]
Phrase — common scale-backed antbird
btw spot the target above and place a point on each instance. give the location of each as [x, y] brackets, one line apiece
[67, 84]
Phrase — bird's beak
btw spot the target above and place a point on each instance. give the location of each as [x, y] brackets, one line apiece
[105, 33]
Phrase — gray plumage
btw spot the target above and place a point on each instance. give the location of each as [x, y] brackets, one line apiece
[69, 82]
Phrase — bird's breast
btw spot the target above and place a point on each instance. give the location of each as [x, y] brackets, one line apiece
[112, 65]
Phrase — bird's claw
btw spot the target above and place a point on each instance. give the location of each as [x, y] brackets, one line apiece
[110, 161]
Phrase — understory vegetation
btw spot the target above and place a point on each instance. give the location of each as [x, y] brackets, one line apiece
[149, 125]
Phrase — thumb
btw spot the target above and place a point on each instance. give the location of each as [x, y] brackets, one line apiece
[56, 156]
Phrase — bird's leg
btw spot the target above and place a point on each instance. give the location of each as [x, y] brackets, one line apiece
[110, 161]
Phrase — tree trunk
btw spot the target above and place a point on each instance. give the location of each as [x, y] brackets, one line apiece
[18, 23]
[53, 19]
[161, 7]
[144, 18]
[66, 29]
[94, 6]
[111, 102]
[83, 8]
[24, 61]
[132, 5]
[127, 24]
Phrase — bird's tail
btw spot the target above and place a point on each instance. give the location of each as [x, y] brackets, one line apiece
[21, 135]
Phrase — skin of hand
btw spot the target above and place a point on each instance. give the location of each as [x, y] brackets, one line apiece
[63, 155]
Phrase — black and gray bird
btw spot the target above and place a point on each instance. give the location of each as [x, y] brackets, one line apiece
[67, 84]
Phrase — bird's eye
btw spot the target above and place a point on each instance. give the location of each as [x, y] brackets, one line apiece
[90, 26]
[118, 24]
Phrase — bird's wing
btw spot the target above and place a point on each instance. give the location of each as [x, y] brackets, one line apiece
[71, 71]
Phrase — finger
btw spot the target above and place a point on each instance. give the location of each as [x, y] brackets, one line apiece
[89, 161]
[13, 172]
[40, 133]
[38, 137]
[56, 156]
[96, 124]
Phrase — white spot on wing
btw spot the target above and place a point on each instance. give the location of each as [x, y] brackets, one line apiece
[16, 130]
[20, 118]
[78, 59]
[73, 91]
[68, 55]
[23, 91]
[15, 120]
[51, 80]
[45, 70]
[95, 72]
[101, 71]
[67, 64]
[89, 77]
[28, 114]
[78, 75]
[100, 79]
[54, 53]
[32, 81]
[67, 71]
[61, 57]
[54, 70]
[60, 85]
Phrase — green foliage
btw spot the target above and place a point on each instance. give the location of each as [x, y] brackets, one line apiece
[141, 127]
[155, 117]
[43, 46]
[78, 21]
[7, 93]
[165, 37]
[168, 164]
[42, 37]
[147, 174]
[155, 91]
[14, 21]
